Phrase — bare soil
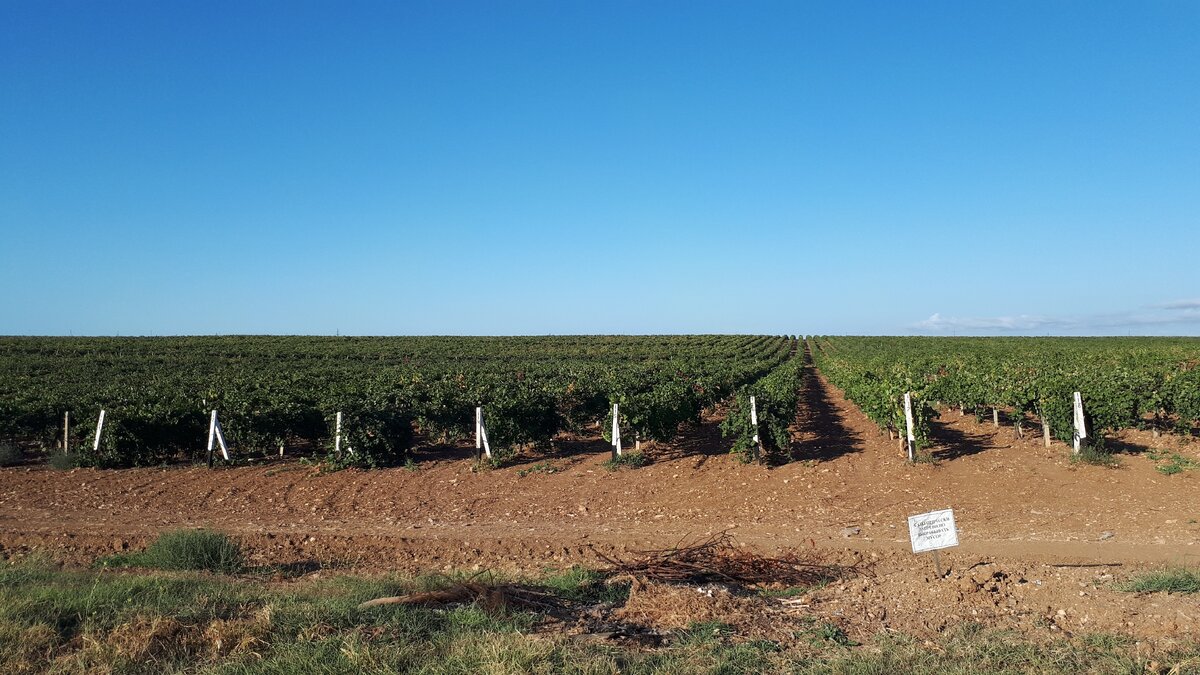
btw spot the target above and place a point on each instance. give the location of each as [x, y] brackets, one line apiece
[1043, 540]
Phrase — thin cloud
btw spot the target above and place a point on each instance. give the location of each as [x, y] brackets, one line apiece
[1180, 313]
[1180, 304]
[1006, 323]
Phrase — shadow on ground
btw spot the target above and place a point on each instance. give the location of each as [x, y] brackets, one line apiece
[951, 443]
[820, 431]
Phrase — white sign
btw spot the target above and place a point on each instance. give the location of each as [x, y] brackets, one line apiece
[932, 531]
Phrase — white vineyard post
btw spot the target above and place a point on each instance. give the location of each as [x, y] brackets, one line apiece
[996, 417]
[754, 422]
[221, 437]
[908, 421]
[99, 430]
[1046, 433]
[212, 436]
[216, 434]
[1080, 435]
[481, 437]
[337, 435]
[616, 432]
[67, 431]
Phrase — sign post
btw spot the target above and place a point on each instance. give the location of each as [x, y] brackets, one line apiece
[1080, 435]
[933, 531]
[908, 421]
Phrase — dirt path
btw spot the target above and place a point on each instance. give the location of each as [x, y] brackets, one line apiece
[1017, 503]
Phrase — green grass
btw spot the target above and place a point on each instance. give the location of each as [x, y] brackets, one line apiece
[1176, 580]
[791, 591]
[580, 584]
[540, 467]
[196, 550]
[129, 621]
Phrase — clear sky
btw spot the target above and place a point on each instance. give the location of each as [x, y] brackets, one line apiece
[198, 167]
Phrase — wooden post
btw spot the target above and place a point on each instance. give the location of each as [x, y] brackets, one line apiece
[1046, 433]
[908, 421]
[99, 430]
[67, 431]
[1080, 435]
[996, 417]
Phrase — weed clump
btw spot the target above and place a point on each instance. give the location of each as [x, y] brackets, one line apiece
[63, 461]
[1178, 580]
[1096, 455]
[10, 455]
[632, 460]
[194, 550]
[1171, 463]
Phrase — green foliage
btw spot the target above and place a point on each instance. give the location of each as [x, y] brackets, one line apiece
[1177, 580]
[372, 438]
[159, 392]
[196, 550]
[1121, 379]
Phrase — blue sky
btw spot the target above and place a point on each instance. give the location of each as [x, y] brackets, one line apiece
[599, 167]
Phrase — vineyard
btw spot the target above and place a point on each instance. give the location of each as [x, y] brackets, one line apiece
[279, 392]
[1048, 543]
[1125, 383]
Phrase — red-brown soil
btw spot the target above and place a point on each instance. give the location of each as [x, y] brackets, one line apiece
[1023, 511]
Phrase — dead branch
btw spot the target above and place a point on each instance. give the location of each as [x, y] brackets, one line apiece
[492, 599]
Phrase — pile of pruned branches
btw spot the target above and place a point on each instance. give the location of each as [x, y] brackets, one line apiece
[718, 560]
